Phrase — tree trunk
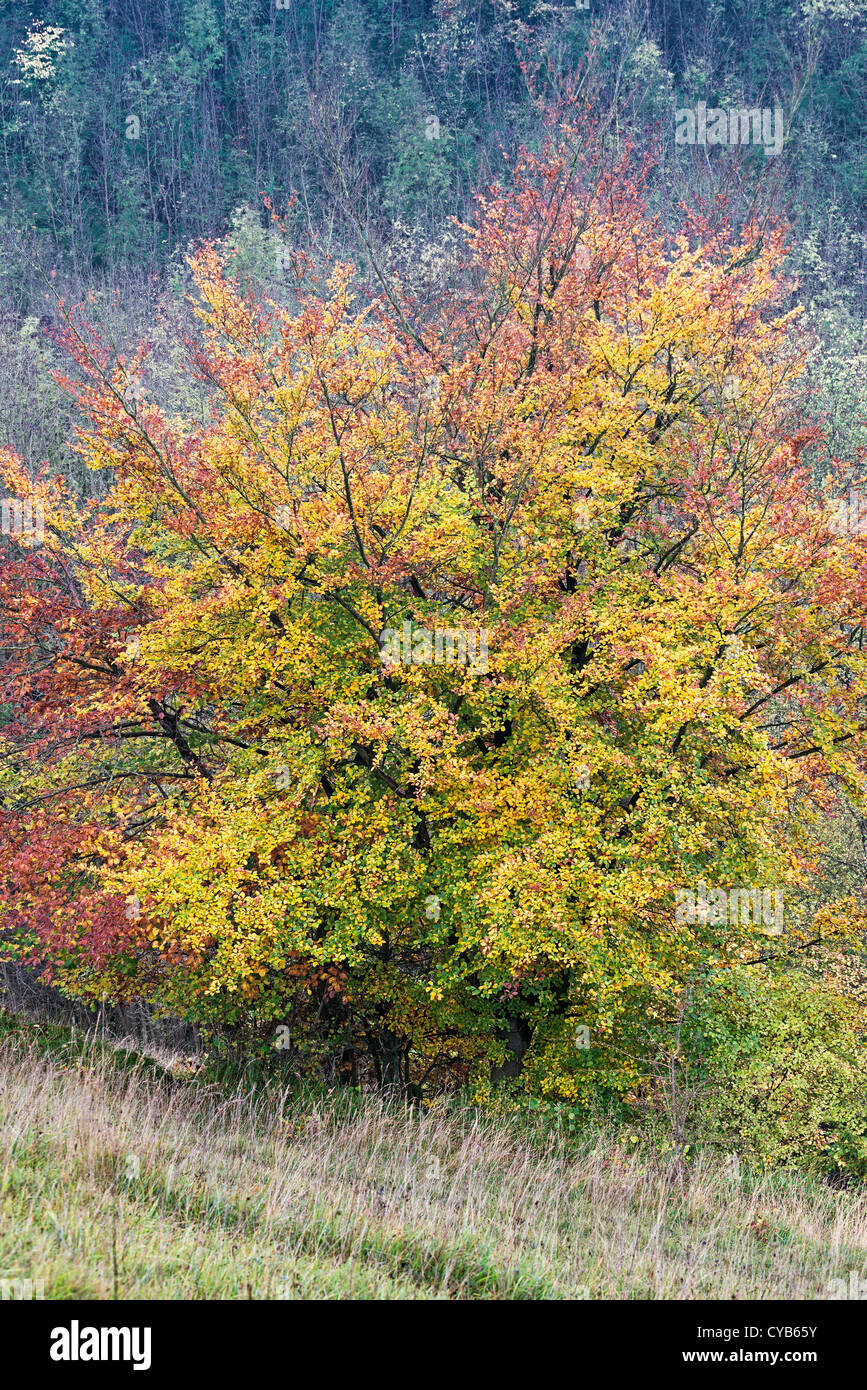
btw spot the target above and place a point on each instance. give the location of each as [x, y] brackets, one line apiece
[390, 1061]
[517, 1037]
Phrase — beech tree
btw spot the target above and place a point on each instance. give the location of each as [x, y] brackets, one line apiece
[256, 771]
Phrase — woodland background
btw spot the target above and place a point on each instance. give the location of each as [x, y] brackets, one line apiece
[129, 131]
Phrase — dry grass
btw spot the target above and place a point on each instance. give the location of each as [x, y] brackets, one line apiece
[118, 1179]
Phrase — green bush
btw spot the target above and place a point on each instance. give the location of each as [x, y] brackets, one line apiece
[789, 1083]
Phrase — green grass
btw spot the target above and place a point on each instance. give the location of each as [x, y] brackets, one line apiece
[123, 1176]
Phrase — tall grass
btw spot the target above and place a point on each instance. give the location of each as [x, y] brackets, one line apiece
[122, 1179]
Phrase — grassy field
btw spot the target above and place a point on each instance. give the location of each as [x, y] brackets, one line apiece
[122, 1177]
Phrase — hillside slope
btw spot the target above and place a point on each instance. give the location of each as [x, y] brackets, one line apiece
[125, 1177]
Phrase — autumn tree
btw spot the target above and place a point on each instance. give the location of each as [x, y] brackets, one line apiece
[389, 706]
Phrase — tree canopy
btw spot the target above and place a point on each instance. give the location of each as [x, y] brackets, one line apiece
[393, 700]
